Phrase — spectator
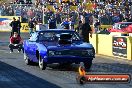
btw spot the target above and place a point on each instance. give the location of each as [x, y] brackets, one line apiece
[28, 1]
[78, 29]
[14, 26]
[58, 17]
[104, 19]
[86, 30]
[15, 42]
[19, 25]
[116, 18]
[96, 26]
[31, 26]
[52, 23]
[71, 24]
[65, 24]
[130, 19]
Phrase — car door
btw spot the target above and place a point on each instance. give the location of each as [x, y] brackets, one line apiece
[32, 47]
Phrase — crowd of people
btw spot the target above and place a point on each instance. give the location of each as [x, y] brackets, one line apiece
[96, 12]
[99, 13]
[107, 12]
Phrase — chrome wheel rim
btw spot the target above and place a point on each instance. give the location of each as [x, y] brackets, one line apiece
[40, 62]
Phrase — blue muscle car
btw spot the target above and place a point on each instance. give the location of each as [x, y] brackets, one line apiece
[57, 46]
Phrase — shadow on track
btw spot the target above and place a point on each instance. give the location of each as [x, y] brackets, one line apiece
[15, 78]
[58, 67]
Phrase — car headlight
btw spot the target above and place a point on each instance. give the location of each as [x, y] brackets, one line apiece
[51, 53]
[90, 52]
[58, 53]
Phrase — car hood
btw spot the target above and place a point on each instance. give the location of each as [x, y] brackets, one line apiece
[74, 45]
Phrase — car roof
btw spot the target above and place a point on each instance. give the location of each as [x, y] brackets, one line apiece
[55, 30]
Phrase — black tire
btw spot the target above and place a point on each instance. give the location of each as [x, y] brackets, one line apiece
[88, 65]
[26, 59]
[42, 64]
[81, 80]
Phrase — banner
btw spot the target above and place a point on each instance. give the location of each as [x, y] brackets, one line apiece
[5, 23]
[120, 46]
[103, 27]
[25, 27]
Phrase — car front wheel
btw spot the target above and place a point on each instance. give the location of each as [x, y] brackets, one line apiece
[42, 64]
[26, 59]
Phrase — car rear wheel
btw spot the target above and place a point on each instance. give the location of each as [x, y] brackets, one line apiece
[26, 59]
[88, 65]
[42, 64]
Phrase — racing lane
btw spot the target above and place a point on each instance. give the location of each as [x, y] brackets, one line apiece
[15, 74]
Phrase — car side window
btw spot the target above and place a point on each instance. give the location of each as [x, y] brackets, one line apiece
[46, 36]
[33, 37]
[75, 37]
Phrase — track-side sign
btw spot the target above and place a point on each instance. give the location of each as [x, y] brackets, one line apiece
[120, 46]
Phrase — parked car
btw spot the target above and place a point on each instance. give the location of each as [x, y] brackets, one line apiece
[57, 46]
[122, 27]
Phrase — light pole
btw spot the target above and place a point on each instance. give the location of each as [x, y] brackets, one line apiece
[43, 14]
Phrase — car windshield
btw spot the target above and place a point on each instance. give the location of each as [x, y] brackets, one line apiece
[125, 25]
[54, 36]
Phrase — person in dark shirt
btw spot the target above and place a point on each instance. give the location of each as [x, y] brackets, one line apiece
[18, 25]
[65, 24]
[96, 26]
[31, 26]
[78, 28]
[14, 25]
[52, 23]
[86, 30]
[15, 42]
[129, 19]
[58, 17]
[71, 24]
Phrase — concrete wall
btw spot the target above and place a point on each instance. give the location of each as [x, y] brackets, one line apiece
[129, 48]
[103, 45]
[94, 41]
